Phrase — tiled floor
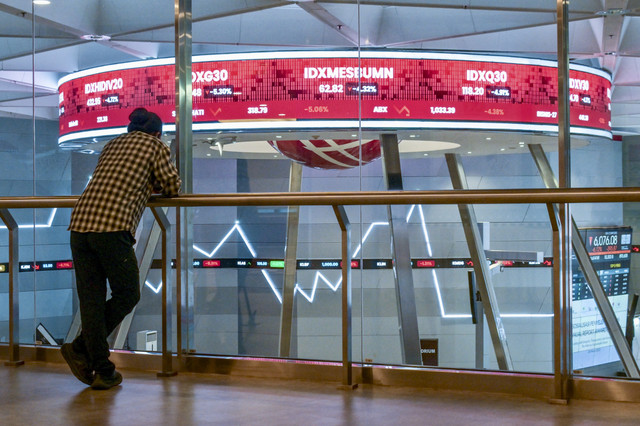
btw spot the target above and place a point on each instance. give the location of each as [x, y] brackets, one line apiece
[47, 394]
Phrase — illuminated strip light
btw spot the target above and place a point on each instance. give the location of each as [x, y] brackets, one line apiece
[235, 227]
[333, 54]
[366, 235]
[246, 240]
[38, 225]
[272, 285]
[424, 229]
[47, 225]
[393, 124]
[339, 124]
[114, 131]
[311, 297]
[157, 289]
[436, 284]
[413, 206]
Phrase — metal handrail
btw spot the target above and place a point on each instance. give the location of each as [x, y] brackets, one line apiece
[471, 196]
[340, 199]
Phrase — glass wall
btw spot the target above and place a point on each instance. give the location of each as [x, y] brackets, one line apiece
[321, 97]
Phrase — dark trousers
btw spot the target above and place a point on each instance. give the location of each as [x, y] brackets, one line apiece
[98, 257]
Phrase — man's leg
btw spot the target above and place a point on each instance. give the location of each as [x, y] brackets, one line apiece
[91, 283]
[121, 265]
[117, 262]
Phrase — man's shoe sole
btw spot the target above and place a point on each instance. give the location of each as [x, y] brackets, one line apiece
[99, 383]
[67, 354]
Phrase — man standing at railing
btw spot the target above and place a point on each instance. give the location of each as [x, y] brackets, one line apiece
[103, 226]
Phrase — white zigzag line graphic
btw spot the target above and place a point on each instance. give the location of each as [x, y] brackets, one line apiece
[310, 296]
[236, 227]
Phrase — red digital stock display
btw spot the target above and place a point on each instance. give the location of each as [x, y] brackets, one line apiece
[309, 90]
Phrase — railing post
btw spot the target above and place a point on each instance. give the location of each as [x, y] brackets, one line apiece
[560, 315]
[184, 158]
[290, 264]
[564, 209]
[345, 227]
[14, 290]
[167, 335]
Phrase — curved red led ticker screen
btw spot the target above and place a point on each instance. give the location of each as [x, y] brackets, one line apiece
[312, 90]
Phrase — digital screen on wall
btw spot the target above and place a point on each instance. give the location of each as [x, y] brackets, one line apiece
[310, 90]
[609, 250]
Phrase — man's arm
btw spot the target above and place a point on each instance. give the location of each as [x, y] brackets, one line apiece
[167, 179]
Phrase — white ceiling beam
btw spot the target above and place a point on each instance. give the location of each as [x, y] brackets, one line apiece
[611, 32]
[44, 113]
[323, 15]
[46, 82]
[73, 31]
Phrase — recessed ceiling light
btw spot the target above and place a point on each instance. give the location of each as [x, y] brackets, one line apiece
[95, 37]
[488, 139]
[41, 2]
[251, 147]
[468, 152]
[415, 145]
[612, 11]
[502, 149]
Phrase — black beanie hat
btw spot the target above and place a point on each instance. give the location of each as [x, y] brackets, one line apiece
[144, 121]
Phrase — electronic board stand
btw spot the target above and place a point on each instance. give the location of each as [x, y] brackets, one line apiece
[403, 275]
[480, 267]
[477, 318]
